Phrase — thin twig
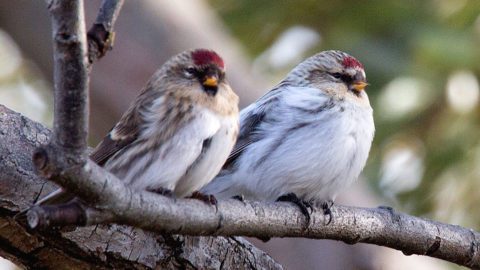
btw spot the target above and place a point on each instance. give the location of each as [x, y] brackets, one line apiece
[101, 35]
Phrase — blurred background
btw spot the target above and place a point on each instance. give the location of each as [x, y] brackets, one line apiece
[422, 60]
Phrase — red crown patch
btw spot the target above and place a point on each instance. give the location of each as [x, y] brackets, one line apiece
[204, 57]
[350, 62]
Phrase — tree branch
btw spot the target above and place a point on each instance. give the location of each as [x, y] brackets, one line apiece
[70, 168]
[68, 146]
[101, 34]
[380, 226]
[71, 71]
[70, 80]
[67, 149]
[99, 247]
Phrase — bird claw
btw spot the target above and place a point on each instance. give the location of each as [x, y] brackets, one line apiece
[206, 198]
[303, 205]
[326, 206]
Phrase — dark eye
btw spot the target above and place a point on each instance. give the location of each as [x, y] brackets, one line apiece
[189, 72]
[337, 75]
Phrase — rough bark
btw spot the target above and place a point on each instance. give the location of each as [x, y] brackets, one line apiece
[102, 247]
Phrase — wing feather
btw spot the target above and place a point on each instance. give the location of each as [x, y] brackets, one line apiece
[110, 145]
[251, 119]
[121, 135]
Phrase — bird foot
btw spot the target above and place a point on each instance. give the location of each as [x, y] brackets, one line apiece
[206, 198]
[303, 205]
[326, 206]
[162, 191]
[239, 198]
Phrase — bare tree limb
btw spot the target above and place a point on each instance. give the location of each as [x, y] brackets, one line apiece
[101, 247]
[380, 226]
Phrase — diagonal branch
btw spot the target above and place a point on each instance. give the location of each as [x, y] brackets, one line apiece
[380, 226]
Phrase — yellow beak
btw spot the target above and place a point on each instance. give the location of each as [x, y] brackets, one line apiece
[359, 86]
[210, 81]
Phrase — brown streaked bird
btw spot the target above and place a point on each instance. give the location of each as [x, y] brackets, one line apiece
[177, 133]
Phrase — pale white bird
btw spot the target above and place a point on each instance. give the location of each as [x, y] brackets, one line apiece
[304, 141]
[177, 133]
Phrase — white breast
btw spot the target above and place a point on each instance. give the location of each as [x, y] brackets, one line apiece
[164, 166]
[211, 160]
[313, 155]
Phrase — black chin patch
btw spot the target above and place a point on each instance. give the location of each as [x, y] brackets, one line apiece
[210, 90]
[355, 92]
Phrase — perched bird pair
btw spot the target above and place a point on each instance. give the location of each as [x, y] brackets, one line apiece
[303, 141]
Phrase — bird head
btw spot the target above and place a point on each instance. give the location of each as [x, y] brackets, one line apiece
[193, 77]
[331, 70]
[198, 72]
[352, 74]
[206, 68]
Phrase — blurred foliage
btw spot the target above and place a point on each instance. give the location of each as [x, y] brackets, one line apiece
[410, 50]
[22, 86]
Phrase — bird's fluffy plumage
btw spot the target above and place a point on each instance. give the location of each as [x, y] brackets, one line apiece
[178, 131]
[310, 135]
[184, 133]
